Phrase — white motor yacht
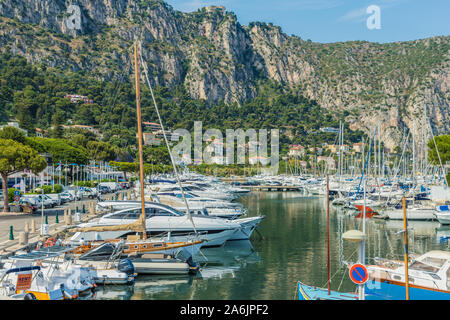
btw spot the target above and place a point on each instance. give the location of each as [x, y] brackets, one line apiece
[163, 220]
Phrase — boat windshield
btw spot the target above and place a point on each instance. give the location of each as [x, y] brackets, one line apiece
[417, 265]
[44, 253]
[133, 214]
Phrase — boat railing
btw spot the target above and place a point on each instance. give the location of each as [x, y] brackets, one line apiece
[389, 275]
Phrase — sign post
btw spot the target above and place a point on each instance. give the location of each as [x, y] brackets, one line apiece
[359, 275]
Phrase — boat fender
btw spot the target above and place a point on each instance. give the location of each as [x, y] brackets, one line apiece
[29, 296]
[50, 242]
[125, 265]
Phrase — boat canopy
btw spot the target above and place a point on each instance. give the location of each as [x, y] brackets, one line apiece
[44, 253]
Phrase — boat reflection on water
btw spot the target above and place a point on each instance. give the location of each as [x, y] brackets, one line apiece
[418, 228]
[147, 287]
[115, 292]
[225, 260]
[443, 234]
[216, 263]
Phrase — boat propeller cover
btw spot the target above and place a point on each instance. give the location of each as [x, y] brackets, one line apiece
[125, 265]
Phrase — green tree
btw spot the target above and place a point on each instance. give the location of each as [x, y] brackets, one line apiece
[125, 167]
[57, 121]
[15, 157]
[156, 155]
[443, 146]
[12, 134]
[26, 106]
[60, 149]
[101, 151]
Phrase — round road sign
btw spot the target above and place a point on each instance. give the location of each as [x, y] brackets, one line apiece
[358, 273]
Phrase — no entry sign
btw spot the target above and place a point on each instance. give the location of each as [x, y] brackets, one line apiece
[358, 273]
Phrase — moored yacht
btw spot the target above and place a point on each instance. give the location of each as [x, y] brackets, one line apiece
[165, 221]
[428, 274]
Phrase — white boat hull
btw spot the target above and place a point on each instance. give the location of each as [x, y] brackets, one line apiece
[412, 214]
[443, 218]
[248, 225]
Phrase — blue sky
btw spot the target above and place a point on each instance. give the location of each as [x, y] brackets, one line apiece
[339, 20]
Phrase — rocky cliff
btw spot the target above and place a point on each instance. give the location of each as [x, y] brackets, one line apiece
[217, 58]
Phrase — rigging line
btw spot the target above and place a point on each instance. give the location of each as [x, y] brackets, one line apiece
[338, 269]
[188, 212]
[437, 150]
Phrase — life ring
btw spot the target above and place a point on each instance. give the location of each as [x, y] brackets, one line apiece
[50, 242]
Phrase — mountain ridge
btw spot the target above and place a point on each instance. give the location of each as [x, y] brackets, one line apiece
[218, 59]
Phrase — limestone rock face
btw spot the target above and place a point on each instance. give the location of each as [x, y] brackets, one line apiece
[216, 58]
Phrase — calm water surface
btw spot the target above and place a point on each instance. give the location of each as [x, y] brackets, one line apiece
[290, 246]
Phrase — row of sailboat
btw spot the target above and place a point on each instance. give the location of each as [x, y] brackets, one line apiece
[421, 278]
[133, 237]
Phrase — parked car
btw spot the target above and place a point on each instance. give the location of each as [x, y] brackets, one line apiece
[46, 197]
[56, 197]
[27, 206]
[48, 203]
[91, 193]
[103, 189]
[32, 199]
[66, 196]
[114, 186]
[75, 192]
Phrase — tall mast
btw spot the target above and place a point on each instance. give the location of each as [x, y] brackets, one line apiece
[405, 239]
[328, 237]
[139, 124]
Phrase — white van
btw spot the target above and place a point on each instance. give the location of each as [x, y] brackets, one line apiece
[114, 186]
[91, 193]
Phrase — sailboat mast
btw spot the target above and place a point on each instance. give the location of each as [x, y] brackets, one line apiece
[328, 237]
[405, 230]
[139, 124]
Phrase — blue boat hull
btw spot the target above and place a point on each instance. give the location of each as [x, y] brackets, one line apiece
[389, 291]
[306, 292]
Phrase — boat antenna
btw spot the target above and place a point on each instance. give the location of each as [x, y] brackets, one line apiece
[328, 237]
[144, 65]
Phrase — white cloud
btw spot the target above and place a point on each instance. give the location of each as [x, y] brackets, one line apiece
[356, 15]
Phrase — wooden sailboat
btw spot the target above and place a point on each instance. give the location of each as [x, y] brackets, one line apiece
[139, 244]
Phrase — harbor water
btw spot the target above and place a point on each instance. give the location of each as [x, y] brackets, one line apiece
[290, 245]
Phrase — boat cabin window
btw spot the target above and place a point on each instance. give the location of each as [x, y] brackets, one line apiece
[167, 194]
[163, 212]
[436, 262]
[417, 265]
[133, 214]
[186, 195]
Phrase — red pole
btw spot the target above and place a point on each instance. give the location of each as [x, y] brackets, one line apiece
[405, 227]
[328, 236]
